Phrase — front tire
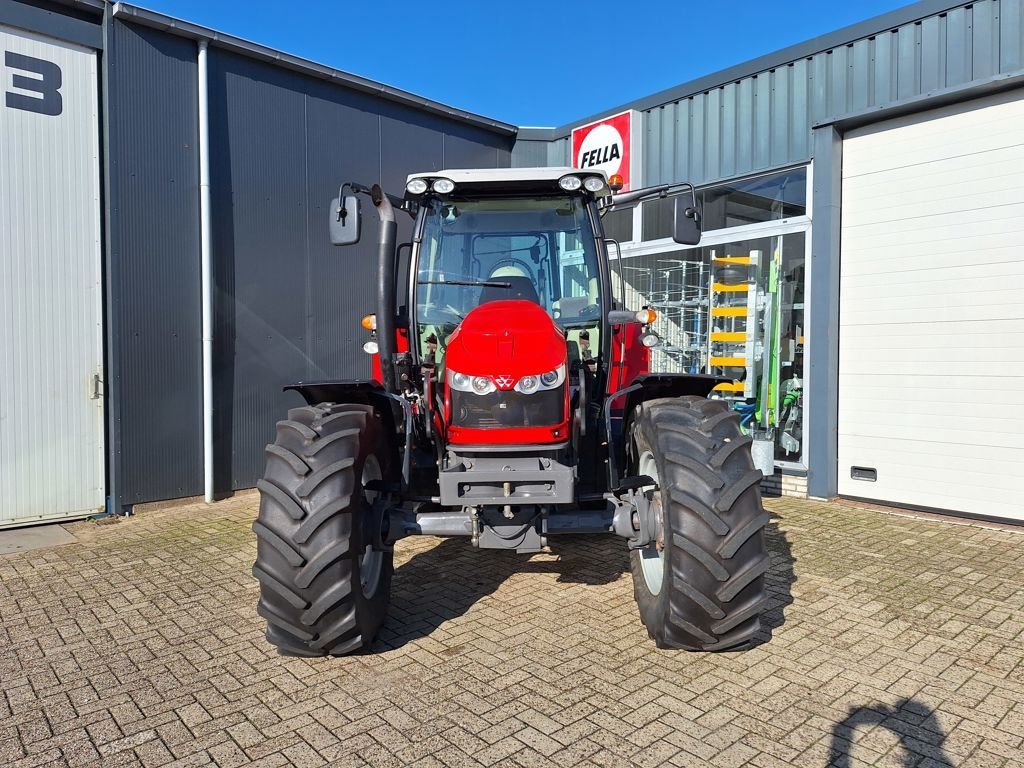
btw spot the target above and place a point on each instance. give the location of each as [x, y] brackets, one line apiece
[323, 589]
[703, 588]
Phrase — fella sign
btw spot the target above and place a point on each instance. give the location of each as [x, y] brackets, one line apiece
[610, 145]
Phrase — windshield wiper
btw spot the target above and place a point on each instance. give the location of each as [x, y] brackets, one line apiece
[484, 283]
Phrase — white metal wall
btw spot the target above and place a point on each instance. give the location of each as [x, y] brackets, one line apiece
[51, 419]
[931, 348]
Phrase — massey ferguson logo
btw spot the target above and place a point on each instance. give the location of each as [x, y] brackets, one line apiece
[605, 146]
[504, 382]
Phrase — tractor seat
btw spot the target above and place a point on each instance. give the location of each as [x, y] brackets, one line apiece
[519, 288]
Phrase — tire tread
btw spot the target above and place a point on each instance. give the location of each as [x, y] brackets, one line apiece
[713, 592]
[311, 505]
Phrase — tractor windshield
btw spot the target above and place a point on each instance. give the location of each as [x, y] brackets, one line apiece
[539, 249]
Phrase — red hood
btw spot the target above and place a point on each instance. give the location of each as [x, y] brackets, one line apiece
[506, 338]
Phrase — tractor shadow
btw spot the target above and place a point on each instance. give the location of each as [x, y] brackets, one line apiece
[778, 581]
[445, 581]
[910, 721]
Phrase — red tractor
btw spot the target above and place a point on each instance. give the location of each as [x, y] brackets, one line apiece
[511, 403]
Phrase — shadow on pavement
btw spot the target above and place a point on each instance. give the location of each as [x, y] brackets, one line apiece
[778, 581]
[444, 582]
[920, 735]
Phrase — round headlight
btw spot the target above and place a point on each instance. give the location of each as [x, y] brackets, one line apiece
[529, 384]
[370, 348]
[461, 381]
[570, 183]
[416, 186]
[593, 183]
[649, 339]
[443, 186]
[482, 385]
[550, 378]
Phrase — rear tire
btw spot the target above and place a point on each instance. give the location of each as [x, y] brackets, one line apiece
[323, 591]
[705, 590]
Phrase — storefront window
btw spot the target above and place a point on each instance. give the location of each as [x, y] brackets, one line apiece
[618, 224]
[764, 198]
[737, 310]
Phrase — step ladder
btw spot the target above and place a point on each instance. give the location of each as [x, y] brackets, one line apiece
[735, 332]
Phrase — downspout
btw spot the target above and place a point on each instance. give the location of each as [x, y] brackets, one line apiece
[206, 269]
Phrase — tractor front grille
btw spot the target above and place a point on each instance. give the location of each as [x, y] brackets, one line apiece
[508, 409]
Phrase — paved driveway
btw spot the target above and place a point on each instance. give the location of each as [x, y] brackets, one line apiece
[891, 641]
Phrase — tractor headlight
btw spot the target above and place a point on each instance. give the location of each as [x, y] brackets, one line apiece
[482, 385]
[416, 186]
[548, 380]
[570, 183]
[443, 186]
[478, 385]
[528, 385]
[593, 183]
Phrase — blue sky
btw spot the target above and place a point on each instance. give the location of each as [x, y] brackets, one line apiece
[529, 62]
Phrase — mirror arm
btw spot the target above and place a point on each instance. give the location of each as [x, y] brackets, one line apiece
[649, 193]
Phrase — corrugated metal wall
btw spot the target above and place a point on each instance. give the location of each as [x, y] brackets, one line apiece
[288, 303]
[154, 262]
[764, 121]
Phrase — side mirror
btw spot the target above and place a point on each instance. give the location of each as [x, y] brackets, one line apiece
[685, 221]
[345, 220]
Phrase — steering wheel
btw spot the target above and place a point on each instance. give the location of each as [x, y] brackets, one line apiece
[449, 314]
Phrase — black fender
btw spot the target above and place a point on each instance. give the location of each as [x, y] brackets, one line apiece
[364, 391]
[649, 386]
[654, 385]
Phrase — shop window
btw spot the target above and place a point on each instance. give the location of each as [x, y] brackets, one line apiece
[618, 224]
[751, 201]
[735, 310]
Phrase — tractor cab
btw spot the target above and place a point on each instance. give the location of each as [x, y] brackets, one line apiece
[509, 280]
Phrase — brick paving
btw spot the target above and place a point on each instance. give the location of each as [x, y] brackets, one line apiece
[891, 641]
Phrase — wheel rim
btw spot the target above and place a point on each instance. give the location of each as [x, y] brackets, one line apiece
[371, 563]
[652, 559]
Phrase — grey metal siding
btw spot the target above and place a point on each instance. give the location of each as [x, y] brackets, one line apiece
[75, 24]
[153, 261]
[287, 303]
[558, 152]
[764, 121]
[747, 121]
[530, 154]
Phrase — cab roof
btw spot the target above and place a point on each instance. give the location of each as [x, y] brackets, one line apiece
[499, 179]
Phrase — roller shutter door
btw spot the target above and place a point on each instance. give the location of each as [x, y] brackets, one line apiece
[931, 346]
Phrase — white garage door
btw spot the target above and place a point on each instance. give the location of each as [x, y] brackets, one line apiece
[931, 348]
[51, 406]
